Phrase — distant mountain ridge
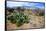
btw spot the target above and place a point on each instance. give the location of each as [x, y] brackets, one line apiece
[26, 7]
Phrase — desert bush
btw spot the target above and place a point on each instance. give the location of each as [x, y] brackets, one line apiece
[41, 14]
[18, 19]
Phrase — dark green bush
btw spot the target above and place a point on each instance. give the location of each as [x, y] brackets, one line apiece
[41, 14]
[19, 19]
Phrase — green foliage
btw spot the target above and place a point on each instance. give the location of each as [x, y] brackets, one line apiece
[19, 19]
[41, 14]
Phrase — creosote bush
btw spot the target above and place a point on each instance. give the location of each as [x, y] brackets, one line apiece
[19, 19]
[41, 14]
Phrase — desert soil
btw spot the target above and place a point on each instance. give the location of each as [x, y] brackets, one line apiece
[35, 22]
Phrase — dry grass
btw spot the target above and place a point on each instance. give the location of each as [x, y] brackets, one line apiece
[35, 22]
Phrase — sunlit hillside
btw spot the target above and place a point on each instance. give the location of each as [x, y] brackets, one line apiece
[36, 18]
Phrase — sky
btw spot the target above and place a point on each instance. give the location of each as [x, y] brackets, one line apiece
[32, 4]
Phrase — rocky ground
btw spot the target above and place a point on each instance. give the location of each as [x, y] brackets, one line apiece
[35, 22]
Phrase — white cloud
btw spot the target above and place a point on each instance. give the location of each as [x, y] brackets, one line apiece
[13, 4]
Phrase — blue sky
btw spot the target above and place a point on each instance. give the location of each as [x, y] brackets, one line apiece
[33, 4]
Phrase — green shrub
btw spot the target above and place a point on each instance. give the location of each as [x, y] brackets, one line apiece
[19, 19]
[41, 14]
